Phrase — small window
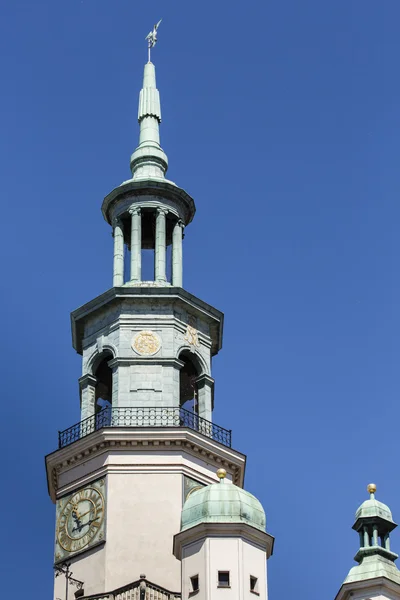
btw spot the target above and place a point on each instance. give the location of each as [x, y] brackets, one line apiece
[223, 579]
[253, 584]
[194, 583]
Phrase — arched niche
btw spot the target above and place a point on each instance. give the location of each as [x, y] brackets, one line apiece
[96, 385]
[104, 380]
[196, 387]
[188, 375]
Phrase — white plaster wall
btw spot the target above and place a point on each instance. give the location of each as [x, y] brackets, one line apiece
[143, 511]
[255, 564]
[194, 562]
[142, 517]
[234, 554]
[89, 568]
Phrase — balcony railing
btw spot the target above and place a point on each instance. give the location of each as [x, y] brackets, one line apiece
[144, 417]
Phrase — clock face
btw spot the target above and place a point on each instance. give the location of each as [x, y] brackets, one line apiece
[80, 521]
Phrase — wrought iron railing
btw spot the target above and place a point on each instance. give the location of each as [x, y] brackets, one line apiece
[144, 417]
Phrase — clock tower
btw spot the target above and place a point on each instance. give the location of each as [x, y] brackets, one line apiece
[145, 441]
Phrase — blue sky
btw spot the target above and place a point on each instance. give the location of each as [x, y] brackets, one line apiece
[282, 120]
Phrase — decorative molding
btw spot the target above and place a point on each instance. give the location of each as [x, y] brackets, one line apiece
[135, 210]
[86, 380]
[366, 588]
[116, 222]
[164, 191]
[177, 297]
[96, 354]
[204, 380]
[263, 540]
[161, 210]
[144, 439]
[143, 360]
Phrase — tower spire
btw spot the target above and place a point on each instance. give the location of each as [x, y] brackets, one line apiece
[149, 161]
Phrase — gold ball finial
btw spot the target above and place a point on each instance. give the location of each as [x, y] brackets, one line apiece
[371, 487]
[221, 473]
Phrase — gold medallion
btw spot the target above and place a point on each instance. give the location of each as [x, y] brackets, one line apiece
[146, 343]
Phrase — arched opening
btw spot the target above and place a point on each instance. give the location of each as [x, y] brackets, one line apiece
[103, 389]
[188, 388]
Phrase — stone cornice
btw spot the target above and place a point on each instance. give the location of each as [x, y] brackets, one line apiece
[377, 584]
[154, 360]
[173, 294]
[86, 380]
[146, 439]
[157, 187]
[203, 379]
[204, 530]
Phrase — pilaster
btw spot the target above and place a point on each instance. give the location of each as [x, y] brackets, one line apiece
[87, 385]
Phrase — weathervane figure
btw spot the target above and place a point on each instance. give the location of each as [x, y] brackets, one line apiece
[152, 37]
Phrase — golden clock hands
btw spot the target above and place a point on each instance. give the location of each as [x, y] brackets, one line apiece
[85, 513]
[81, 525]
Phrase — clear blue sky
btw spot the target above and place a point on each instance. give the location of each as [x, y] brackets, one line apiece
[282, 120]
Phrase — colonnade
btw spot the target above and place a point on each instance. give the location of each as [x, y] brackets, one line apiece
[366, 540]
[160, 248]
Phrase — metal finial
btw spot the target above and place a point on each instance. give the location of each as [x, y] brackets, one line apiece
[221, 473]
[152, 37]
[371, 488]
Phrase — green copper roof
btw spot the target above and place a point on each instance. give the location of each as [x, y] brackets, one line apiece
[374, 566]
[222, 503]
[374, 508]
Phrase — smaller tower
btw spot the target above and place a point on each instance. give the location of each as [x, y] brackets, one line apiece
[376, 575]
[223, 544]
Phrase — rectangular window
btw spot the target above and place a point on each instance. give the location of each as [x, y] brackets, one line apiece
[223, 579]
[253, 584]
[194, 584]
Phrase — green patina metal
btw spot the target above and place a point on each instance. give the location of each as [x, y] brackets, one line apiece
[374, 522]
[222, 503]
[374, 508]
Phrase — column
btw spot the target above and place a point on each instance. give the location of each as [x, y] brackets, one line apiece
[387, 542]
[118, 234]
[136, 244]
[366, 537]
[177, 254]
[160, 246]
[375, 536]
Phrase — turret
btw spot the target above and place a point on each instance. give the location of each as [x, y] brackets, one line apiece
[376, 575]
[223, 543]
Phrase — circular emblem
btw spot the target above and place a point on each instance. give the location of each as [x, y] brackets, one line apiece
[146, 343]
[81, 519]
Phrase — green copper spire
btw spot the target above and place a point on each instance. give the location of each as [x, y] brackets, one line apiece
[374, 523]
[149, 161]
